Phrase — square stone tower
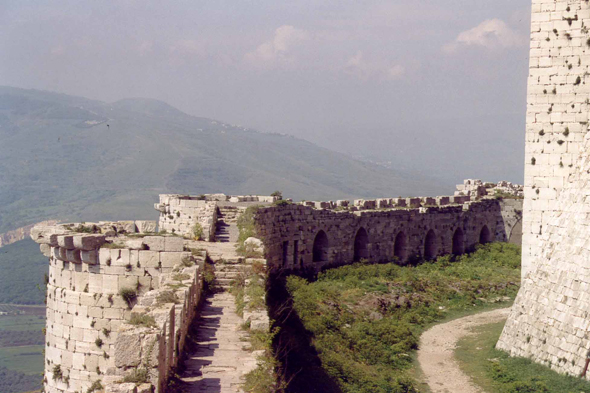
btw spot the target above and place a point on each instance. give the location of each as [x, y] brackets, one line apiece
[557, 111]
[550, 319]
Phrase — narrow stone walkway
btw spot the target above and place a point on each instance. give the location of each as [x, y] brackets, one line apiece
[220, 360]
[437, 349]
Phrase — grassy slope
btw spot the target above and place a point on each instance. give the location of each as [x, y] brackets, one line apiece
[22, 266]
[496, 372]
[54, 164]
[366, 319]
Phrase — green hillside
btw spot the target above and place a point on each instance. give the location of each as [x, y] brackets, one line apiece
[22, 266]
[73, 158]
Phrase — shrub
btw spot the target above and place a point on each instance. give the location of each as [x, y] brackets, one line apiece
[282, 202]
[278, 194]
[138, 376]
[95, 387]
[57, 373]
[167, 297]
[197, 231]
[144, 320]
[186, 262]
[98, 342]
[181, 276]
[246, 224]
[129, 295]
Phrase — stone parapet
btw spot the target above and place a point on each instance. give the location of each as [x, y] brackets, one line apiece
[99, 274]
[303, 237]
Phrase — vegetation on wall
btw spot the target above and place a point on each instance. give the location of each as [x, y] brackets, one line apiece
[247, 228]
[365, 320]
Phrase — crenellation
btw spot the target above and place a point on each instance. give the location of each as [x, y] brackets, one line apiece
[100, 274]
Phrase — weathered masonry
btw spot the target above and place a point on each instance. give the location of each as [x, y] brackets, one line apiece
[558, 106]
[550, 319]
[121, 295]
[299, 237]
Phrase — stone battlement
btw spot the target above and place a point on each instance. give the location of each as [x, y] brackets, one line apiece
[98, 283]
[121, 294]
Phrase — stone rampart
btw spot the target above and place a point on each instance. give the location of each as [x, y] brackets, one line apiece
[97, 282]
[302, 237]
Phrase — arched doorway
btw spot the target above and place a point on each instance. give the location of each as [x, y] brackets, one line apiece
[361, 245]
[458, 242]
[400, 246]
[485, 236]
[430, 246]
[320, 247]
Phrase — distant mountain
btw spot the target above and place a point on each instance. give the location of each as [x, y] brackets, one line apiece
[70, 158]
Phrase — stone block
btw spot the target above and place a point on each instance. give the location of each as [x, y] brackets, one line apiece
[128, 349]
[90, 257]
[73, 256]
[149, 259]
[88, 242]
[173, 244]
[170, 259]
[155, 243]
[65, 241]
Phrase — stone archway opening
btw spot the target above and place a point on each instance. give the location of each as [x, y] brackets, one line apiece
[458, 242]
[320, 247]
[430, 246]
[361, 245]
[485, 236]
[400, 247]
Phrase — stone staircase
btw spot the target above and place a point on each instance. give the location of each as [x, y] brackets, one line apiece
[227, 228]
[228, 270]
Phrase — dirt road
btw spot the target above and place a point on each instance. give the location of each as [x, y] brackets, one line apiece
[436, 353]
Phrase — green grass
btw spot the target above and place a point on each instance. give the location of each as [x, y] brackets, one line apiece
[496, 372]
[26, 359]
[366, 319]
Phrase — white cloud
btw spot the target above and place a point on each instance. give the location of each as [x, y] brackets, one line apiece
[278, 50]
[365, 69]
[491, 34]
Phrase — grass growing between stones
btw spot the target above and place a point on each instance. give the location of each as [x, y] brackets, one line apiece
[495, 371]
[366, 320]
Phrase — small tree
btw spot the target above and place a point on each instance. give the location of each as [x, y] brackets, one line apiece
[198, 231]
[277, 194]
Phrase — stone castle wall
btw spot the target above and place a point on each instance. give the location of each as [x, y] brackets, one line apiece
[89, 342]
[557, 111]
[549, 321]
[298, 237]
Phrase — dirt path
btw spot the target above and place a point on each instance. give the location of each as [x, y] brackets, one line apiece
[436, 353]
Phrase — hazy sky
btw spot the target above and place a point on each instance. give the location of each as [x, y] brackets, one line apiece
[431, 85]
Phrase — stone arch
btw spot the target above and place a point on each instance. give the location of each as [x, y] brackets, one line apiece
[430, 246]
[458, 242]
[320, 247]
[485, 236]
[400, 247]
[361, 244]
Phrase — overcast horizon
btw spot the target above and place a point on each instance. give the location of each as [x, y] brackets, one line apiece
[436, 87]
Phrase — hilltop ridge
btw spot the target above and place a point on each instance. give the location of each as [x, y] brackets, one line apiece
[68, 158]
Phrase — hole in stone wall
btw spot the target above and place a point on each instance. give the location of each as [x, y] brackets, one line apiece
[320, 247]
[361, 245]
[430, 246]
[400, 246]
[458, 242]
